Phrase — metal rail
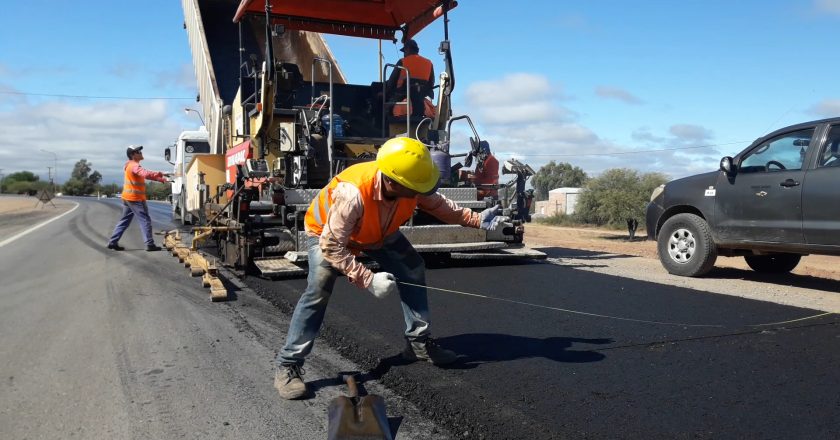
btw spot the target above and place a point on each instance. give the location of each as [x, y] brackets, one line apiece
[407, 99]
[329, 64]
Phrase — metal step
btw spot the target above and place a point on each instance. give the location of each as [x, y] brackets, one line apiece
[460, 247]
[297, 256]
[275, 267]
[442, 234]
[509, 253]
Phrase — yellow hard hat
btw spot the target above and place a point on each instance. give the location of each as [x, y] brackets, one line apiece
[408, 162]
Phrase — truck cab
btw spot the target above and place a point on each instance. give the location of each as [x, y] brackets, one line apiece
[772, 203]
[189, 144]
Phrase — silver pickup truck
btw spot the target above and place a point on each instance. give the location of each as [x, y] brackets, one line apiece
[774, 202]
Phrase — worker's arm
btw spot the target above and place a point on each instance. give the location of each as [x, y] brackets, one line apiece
[448, 211]
[137, 170]
[342, 219]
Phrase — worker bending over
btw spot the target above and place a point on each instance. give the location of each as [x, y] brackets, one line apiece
[361, 209]
[134, 199]
[422, 74]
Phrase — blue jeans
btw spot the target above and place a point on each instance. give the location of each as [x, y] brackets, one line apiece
[396, 256]
[130, 209]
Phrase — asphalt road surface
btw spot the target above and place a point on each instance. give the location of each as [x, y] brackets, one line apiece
[99, 344]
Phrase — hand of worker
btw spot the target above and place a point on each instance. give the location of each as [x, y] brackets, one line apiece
[490, 218]
[383, 284]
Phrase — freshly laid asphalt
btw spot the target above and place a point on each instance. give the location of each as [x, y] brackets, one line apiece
[100, 345]
[528, 372]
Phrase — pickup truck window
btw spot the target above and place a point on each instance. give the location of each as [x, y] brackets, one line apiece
[831, 150]
[784, 152]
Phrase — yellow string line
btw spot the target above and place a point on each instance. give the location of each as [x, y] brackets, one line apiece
[619, 318]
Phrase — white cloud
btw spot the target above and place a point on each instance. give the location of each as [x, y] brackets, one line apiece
[616, 93]
[522, 116]
[831, 6]
[690, 133]
[511, 89]
[97, 131]
[827, 108]
[182, 78]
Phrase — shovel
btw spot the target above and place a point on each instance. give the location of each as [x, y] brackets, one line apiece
[354, 417]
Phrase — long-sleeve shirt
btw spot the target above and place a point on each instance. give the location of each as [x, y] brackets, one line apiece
[345, 217]
[138, 170]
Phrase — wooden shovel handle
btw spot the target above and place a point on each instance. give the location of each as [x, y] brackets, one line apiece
[352, 388]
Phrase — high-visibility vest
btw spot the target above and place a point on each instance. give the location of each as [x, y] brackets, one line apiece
[134, 186]
[418, 67]
[369, 233]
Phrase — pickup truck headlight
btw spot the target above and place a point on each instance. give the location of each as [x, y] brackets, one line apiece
[657, 192]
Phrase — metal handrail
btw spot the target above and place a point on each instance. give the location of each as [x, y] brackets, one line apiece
[455, 118]
[329, 63]
[407, 98]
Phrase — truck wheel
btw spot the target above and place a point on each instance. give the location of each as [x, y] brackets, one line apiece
[686, 247]
[776, 263]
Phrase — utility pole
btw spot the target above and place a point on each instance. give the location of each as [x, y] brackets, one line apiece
[2, 178]
[55, 163]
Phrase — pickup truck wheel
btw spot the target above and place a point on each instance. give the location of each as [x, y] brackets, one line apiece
[775, 263]
[686, 247]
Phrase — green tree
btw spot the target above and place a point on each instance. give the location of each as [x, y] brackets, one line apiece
[157, 190]
[617, 195]
[26, 187]
[557, 175]
[23, 176]
[110, 189]
[82, 180]
[19, 182]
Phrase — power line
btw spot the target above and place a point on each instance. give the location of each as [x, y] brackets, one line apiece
[56, 95]
[620, 153]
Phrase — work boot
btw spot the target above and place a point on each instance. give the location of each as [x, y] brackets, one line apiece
[289, 382]
[115, 247]
[428, 350]
[152, 248]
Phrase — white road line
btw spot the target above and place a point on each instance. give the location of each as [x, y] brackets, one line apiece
[39, 225]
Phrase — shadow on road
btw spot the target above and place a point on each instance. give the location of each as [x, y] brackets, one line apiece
[475, 349]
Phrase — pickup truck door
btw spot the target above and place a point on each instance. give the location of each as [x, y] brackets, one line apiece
[821, 194]
[762, 202]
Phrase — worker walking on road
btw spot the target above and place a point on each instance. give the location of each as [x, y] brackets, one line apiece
[134, 199]
[361, 209]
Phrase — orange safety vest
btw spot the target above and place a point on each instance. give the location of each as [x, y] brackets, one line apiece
[368, 233]
[418, 67]
[134, 186]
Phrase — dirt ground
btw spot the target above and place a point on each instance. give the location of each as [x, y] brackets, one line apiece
[20, 212]
[617, 242]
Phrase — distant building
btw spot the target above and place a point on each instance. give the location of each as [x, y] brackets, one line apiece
[560, 201]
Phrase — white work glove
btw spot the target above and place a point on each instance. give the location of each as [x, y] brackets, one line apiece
[383, 284]
[490, 218]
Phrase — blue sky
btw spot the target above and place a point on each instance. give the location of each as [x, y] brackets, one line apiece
[598, 84]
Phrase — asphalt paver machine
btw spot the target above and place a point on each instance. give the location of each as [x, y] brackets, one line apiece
[286, 128]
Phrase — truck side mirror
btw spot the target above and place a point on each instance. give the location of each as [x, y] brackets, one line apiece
[727, 166]
[167, 154]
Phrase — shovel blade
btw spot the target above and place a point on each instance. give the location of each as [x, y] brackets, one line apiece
[366, 419]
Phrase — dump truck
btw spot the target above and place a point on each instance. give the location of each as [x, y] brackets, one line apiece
[282, 120]
[190, 144]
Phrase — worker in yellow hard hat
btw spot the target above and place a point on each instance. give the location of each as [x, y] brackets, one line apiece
[362, 209]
